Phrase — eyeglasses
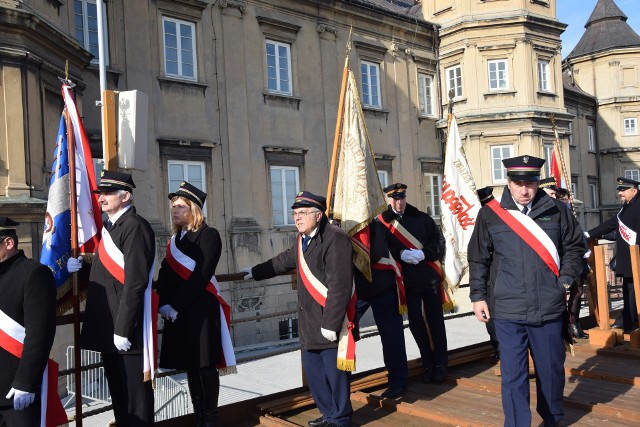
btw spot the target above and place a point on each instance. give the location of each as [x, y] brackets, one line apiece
[302, 213]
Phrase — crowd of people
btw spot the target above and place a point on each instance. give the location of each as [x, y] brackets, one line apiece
[526, 253]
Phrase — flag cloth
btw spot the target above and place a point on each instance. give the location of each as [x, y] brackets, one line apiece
[56, 239]
[556, 169]
[460, 206]
[358, 194]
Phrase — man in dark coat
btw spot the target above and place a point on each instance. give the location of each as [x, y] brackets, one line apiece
[114, 316]
[416, 240]
[538, 246]
[627, 223]
[28, 298]
[381, 294]
[327, 260]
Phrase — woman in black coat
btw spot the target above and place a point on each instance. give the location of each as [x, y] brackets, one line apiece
[192, 337]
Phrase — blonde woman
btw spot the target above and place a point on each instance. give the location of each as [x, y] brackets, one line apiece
[192, 337]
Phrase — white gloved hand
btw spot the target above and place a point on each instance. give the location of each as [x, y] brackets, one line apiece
[74, 264]
[329, 335]
[247, 273]
[21, 399]
[406, 256]
[417, 254]
[586, 234]
[168, 312]
[121, 343]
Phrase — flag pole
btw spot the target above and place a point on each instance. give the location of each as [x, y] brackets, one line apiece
[563, 167]
[74, 277]
[338, 132]
[449, 118]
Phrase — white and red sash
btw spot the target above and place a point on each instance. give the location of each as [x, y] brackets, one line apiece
[629, 236]
[531, 233]
[113, 260]
[183, 266]
[12, 336]
[392, 265]
[409, 241]
[346, 344]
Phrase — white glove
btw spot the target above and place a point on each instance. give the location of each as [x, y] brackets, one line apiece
[329, 335]
[21, 399]
[247, 273]
[74, 264]
[168, 312]
[586, 234]
[121, 343]
[417, 254]
[409, 257]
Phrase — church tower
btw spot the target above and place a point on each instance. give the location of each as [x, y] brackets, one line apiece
[501, 60]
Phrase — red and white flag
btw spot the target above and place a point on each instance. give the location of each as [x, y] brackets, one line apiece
[460, 206]
[556, 169]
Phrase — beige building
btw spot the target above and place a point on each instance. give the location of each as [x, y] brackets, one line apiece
[606, 65]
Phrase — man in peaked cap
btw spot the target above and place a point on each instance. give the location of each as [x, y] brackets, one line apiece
[627, 223]
[418, 244]
[27, 304]
[537, 245]
[322, 255]
[116, 300]
[549, 186]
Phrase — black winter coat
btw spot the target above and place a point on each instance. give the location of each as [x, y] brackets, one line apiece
[383, 280]
[630, 216]
[193, 341]
[329, 257]
[114, 308]
[28, 296]
[418, 277]
[525, 288]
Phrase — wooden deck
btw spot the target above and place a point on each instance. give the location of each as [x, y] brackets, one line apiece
[602, 388]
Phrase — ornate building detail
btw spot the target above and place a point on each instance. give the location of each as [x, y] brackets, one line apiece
[322, 28]
[241, 6]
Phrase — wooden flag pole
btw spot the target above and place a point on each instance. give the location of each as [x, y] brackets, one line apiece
[74, 277]
[338, 132]
[563, 166]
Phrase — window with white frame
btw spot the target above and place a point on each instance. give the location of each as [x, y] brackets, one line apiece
[592, 138]
[570, 133]
[574, 189]
[86, 25]
[425, 94]
[370, 74]
[383, 176]
[543, 75]
[192, 172]
[632, 174]
[433, 189]
[548, 155]
[631, 126]
[498, 153]
[498, 74]
[454, 80]
[278, 67]
[285, 184]
[180, 58]
[593, 195]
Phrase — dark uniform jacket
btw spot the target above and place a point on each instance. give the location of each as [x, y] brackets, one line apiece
[193, 341]
[329, 257]
[383, 280]
[114, 308]
[525, 289]
[418, 277]
[28, 296]
[630, 216]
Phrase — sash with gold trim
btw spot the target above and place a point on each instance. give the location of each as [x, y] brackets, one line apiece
[531, 233]
[408, 240]
[346, 343]
[113, 260]
[183, 265]
[12, 336]
[391, 264]
[629, 236]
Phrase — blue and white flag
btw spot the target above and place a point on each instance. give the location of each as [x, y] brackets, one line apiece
[56, 241]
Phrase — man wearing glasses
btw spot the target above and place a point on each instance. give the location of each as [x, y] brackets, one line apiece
[322, 255]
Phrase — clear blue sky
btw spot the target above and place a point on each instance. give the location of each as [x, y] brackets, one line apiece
[575, 14]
